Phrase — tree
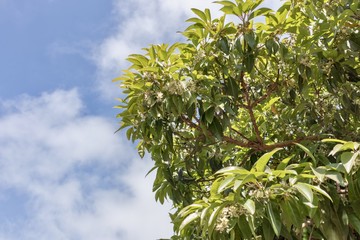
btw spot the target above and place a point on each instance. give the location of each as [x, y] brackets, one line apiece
[243, 121]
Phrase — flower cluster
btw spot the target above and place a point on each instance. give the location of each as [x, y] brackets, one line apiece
[290, 40]
[222, 224]
[176, 87]
[159, 96]
[305, 60]
[147, 98]
[228, 213]
[150, 98]
[199, 57]
[326, 68]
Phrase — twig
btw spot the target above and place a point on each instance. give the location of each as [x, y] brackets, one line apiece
[242, 135]
[289, 142]
[249, 108]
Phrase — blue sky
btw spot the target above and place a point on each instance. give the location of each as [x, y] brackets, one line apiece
[64, 174]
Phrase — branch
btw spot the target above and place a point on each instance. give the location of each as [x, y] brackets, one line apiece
[255, 145]
[252, 145]
[250, 109]
[272, 88]
[189, 122]
[263, 147]
[241, 135]
[245, 144]
[289, 142]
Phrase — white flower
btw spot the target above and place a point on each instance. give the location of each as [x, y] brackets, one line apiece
[305, 61]
[234, 211]
[227, 213]
[222, 224]
[176, 87]
[159, 96]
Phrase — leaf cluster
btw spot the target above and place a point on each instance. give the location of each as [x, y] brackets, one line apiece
[214, 111]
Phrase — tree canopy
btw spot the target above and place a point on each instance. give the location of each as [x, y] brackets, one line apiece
[253, 122]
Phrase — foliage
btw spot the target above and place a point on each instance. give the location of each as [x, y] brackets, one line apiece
[234, 118]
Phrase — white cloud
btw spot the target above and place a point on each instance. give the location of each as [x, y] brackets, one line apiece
[76, 179]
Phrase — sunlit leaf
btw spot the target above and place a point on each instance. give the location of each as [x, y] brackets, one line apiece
[189, 219]
[305, 149]
[305, 190]
[250, 206]
[264, 159]
[349, 160]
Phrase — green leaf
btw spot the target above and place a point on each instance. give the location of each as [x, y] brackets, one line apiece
[151, 170]
[284, 163]
[204, 215]
[225, 183]
[141, 149]
[223, 45]
[200, 13]
[267, 230]
[354, 222]
[305, 190]
[283, 173]
[336, 149]
[336, 176]
[232, 170]
[307, 151]
[250, 40]
[249, 62]
[232, 87]
[250, 206]
[189, 219]
[349, 160]
[320, 172]
[214, 187]
[228, 10]
[226, 3]
[209, 114]
[290, 214]
[250, 5]
[263, 160]
[270, 103]
[274, 218]
[188, 209]
[197, 20]
[238, 46]
[244, 226]
[129, 132]
[260, 12]
[349, 146]
[241, 182]
[319, 190]
[213, 218]
[208, 14]
[216, 129]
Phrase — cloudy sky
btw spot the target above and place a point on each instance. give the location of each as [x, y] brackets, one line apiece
[64, 174]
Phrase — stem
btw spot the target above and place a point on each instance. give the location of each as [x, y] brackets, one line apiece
[272, 87]
[289, 142]
[250, 109]
[242, 135]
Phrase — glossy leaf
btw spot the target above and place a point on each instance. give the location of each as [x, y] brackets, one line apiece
[264, 159]
[189, 219]
[305, 190]
[349, 160]
[212, 110]
[274, 219]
